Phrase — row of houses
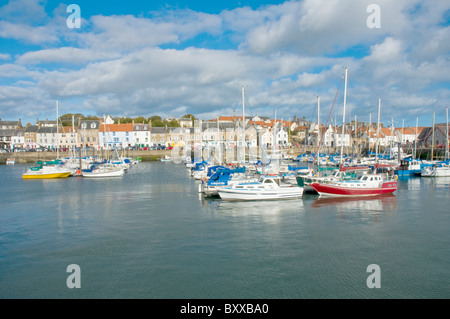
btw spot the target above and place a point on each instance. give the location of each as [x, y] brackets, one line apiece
[364, 135]
[106, 135]
[224, 130]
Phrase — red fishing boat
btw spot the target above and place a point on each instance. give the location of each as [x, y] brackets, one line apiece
[368, 184]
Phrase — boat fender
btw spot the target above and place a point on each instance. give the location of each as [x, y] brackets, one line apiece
[78, 171]
[396, 177]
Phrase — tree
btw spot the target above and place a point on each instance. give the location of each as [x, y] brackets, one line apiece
[157, 121]
[66, 119]
[141, 119]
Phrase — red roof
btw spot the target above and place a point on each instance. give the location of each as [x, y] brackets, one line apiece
[127, 127]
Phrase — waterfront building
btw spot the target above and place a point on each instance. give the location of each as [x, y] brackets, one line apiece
[141, 135]
[46, 137]
[18, 138]
[116, 135]
[88, 133]
[7, 129]
[45, 123]
[31, 136]
[68, 137]
[425, 138]
[159, 136]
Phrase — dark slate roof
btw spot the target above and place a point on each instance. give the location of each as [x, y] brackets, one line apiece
[31, 128]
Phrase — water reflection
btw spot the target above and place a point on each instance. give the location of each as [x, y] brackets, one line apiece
[443, 181]
[268, 208]
[387, 202]
[272, 209]
[409, 182]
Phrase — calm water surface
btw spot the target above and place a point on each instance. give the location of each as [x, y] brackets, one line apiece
[149, 234]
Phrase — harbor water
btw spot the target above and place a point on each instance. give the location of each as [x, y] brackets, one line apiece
[150, 234]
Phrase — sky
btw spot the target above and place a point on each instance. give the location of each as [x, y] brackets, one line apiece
[170, 58]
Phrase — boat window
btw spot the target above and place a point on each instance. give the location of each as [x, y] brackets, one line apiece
[371, 178]
[365, 178]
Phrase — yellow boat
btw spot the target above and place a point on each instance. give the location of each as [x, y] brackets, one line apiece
[45, 172]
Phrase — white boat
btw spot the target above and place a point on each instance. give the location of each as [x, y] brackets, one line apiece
[10, 161]
[104, 171]
[166, 158]
[46, 172]
[224, 178]
[437, 170]
[267, 188]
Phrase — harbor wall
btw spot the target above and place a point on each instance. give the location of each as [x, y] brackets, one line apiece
[32, 157]
[154, 155]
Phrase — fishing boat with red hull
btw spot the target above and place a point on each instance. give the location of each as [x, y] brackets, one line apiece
[368, 184]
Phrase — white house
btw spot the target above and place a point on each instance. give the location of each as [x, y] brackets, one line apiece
[141, 136]
[46, 137]
[116, 135]
[281, 137]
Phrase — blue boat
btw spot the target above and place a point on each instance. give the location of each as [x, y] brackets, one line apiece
[222, 176]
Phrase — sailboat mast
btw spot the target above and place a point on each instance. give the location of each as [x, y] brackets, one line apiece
[219, 146]
[343, 116]
[318, 120]
[447, 146]
[356, 137]
[378, 130]
[370, 126]
[415, 138]
[57, 131]
[432, 139]
[243, 119]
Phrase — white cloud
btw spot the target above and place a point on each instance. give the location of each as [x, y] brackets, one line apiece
[27, 33]
[285, 55]
[4, 56]
[66, 55]
[390, 50]
[24, 11]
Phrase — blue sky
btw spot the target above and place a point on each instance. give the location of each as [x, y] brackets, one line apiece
[169, 58]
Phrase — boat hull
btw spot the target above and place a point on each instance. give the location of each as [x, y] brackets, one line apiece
[46, 176]
[117, 173]
[338, 190]
[229, 194]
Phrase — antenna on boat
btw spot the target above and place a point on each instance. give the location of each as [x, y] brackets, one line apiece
[343, 116]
